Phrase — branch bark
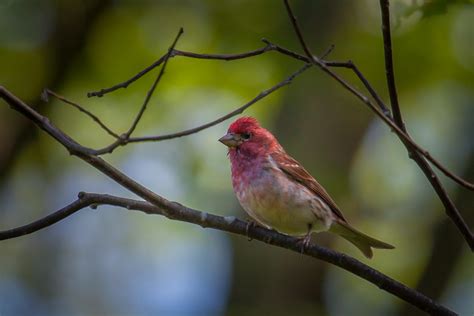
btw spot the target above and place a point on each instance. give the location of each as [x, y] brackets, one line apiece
[451, 209]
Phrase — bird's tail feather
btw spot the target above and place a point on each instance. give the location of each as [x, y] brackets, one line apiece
[360, 240]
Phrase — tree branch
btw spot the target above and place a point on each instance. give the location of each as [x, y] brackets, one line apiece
[239, 110]
[173, 53]
[47, 93]
[415, 151]
[337, 64]
[231, 224]
[450, 208]
[390, 73]
[51, 219]
[153, 87]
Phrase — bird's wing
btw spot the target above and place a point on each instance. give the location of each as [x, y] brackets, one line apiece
[296, 172]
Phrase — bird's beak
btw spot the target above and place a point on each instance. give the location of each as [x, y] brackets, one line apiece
[230, 140]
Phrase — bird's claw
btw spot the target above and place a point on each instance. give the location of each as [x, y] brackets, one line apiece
[305, 243]
[250, 224]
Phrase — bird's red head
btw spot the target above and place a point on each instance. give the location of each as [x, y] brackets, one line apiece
[248, 137]
[243, 125]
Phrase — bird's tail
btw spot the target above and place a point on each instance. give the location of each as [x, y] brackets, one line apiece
[360, 240]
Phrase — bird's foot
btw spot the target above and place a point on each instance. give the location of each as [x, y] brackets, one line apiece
[250, 224]
[306, 240]
[305, 243]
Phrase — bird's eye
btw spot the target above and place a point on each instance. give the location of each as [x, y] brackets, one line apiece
[245, 136]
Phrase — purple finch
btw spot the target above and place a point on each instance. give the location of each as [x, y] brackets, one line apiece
[278, 193]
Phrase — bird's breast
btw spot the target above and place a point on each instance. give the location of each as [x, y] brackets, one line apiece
[274, 201]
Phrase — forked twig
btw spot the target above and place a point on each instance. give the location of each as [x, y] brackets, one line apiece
[153, 87]
[173, 53]
[235, 112]
[47, 93]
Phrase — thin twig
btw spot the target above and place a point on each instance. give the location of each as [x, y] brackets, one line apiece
[46, 221]
[226, 57]
[327, 52]
[448, 173]
[450, 207]
[124, 139]
[153, 87]
[390, 73]
[173, 53]
[298, 32]
[348, 64]
[125, 84]
[237, 111]
[47, 92]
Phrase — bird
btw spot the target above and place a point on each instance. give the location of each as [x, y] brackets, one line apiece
[278, 193]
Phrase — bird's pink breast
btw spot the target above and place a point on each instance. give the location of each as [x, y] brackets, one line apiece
[270, 198]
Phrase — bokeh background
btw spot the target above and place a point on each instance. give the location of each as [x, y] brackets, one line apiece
[115, 262]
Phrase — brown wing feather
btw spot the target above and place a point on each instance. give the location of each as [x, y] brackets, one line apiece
[295, 171]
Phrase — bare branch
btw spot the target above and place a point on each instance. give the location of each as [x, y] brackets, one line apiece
[347, 64]
[125, 84]
[414, 149]
[47, 92]
[226, 57]
[350, 65]
[237, 111]
[124, 138]
[173, 53]
[153, 87]
[46, 221]
[299, 33]
[448, 173]
[387, 41]
[414, 153]
[327, 52]
[233, 225]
